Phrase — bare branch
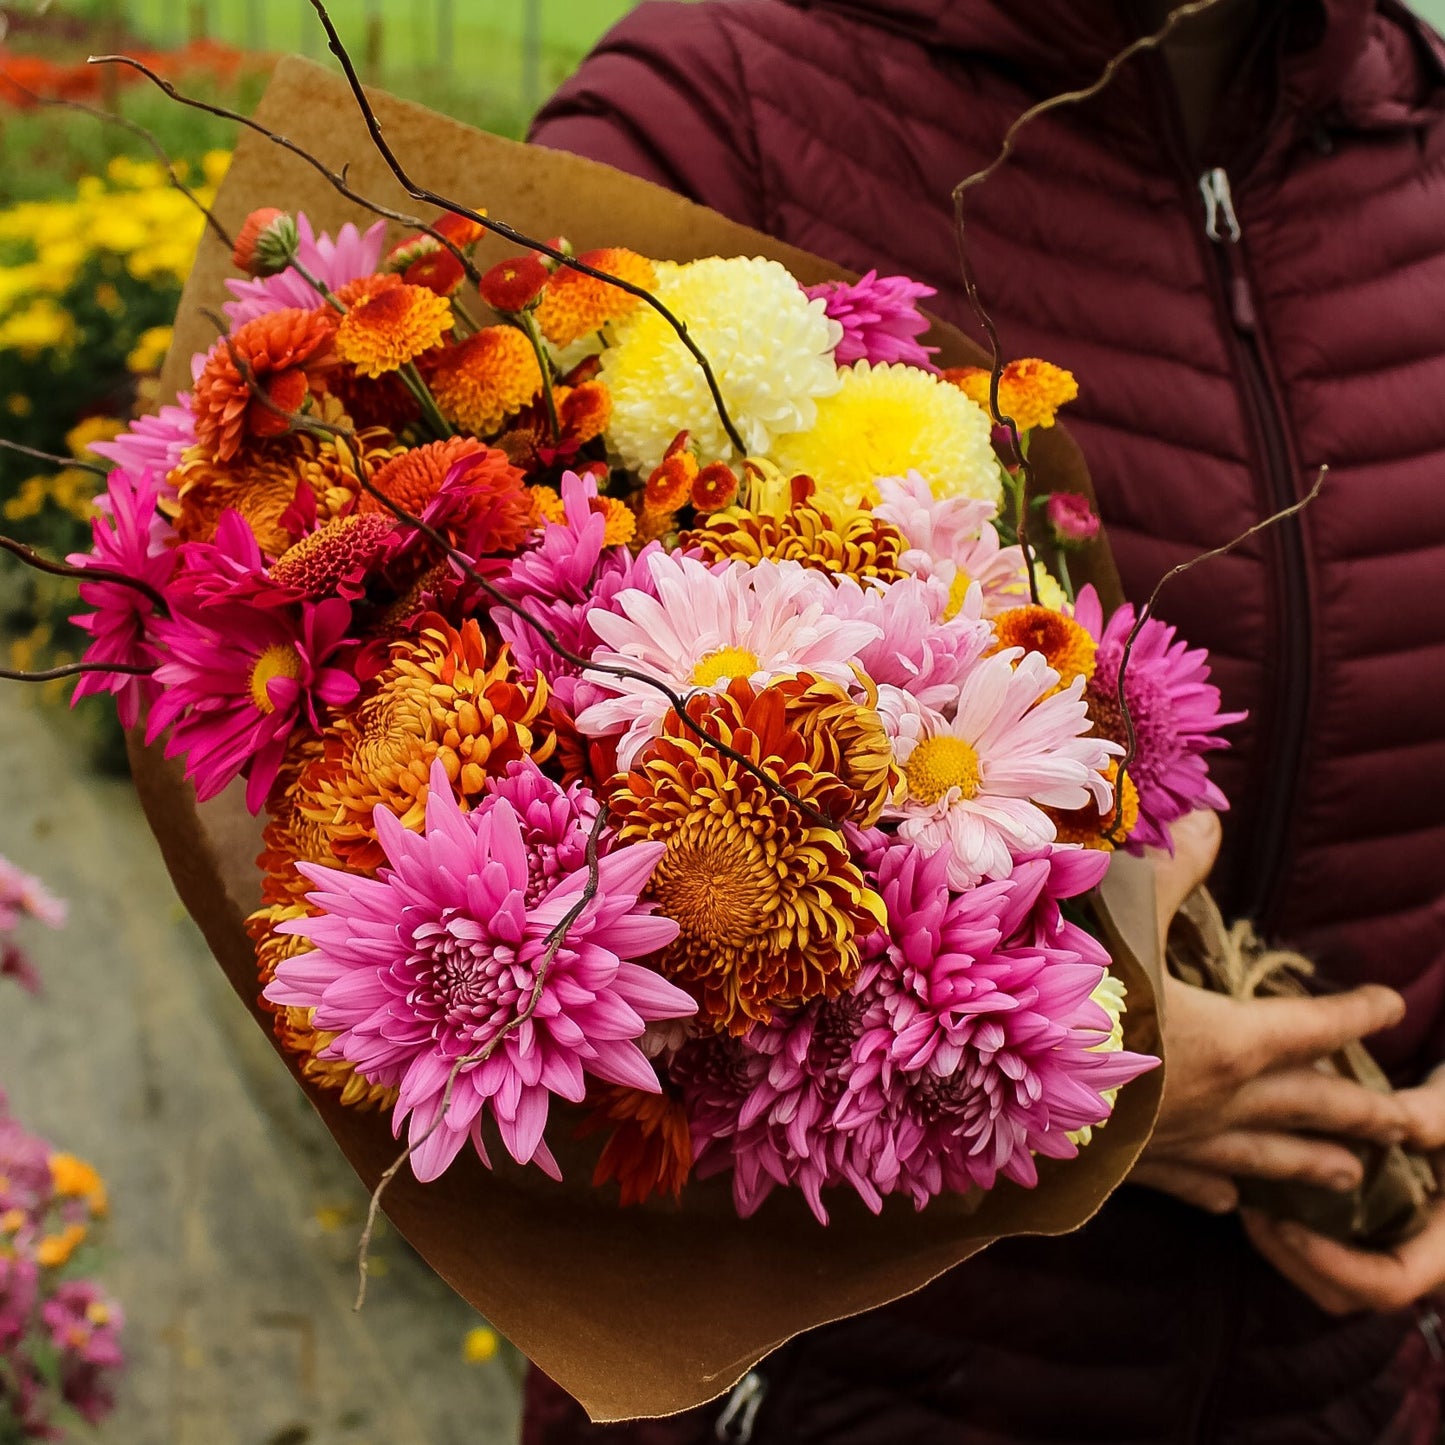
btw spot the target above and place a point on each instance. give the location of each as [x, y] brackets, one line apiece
[31, 558]
[7, 445]
[74, 669]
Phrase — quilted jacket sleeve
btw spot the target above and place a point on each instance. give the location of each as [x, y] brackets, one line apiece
[662, 96]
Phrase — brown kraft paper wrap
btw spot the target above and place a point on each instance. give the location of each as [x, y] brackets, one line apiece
[651, 1310]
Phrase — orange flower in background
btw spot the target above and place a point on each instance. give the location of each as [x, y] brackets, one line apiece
[75, 1179]
[392, 327]
[769, 901]
[1030, 391]
[283, 354]
[1063, 643]
[575, 305]
[649, 1151]
[483, 380]
[439, 696]
[863, 546]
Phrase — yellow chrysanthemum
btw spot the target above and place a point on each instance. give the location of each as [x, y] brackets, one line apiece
[770, 348]
[862, 546]
[392, 327]
[886, 421]
[1030, 391]
[768, 898]
[485, 379]
[1110, 996]
[439, 696]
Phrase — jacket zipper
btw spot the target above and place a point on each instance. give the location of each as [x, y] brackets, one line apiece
[1264, 859]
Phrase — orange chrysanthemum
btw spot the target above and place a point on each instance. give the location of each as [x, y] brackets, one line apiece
[649, 1151]
[768, 898]
[439, 696]
[282, 353]
[575, 305]
[547, 505]
[583, 411]
[670, 485]
[1090, 828]
[414, 477]
[714, 487]
[485, 379]
[863, 546]
[1030, 391]
[513, 285]
[620, 524]
[1063, 643]
[393, 326]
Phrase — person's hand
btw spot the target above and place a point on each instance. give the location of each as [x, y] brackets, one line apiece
[1342, 1280]
[1243, 1090]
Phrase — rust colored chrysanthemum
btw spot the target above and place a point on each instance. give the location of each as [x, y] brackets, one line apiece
[583, 411]
[649, 1151]
[1090, 828]
[485, 379]
[281, 355]
[575, 305]
[1030, 391]
[863, 546]
[333, 560]
[670, 485]
[1062, 642]
[414, 477]
[770, 903]
[511, 286]
[439, 696]
[714, 488]
[836, 725]
[392, 327]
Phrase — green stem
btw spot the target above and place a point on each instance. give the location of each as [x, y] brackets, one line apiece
[544, 365]
[419, 389]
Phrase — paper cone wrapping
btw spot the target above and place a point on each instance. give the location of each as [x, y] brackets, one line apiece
[651, 1310]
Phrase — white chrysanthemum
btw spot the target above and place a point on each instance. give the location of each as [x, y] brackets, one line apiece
[1110, 996]
[888, 421]
[769, 346]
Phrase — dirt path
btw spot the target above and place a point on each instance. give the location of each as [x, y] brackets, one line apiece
[233, 1216]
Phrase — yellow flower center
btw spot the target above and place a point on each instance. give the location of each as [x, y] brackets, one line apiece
[938, 764]
[717, 880]
[278, 660]
[724, 665]
[957, 591]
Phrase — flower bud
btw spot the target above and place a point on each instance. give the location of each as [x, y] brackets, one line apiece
[1071, 519]
[266, 242]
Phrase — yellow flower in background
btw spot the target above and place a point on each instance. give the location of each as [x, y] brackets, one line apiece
[18, 404]
[479, 1345]
[150, 350]
[41, 326]
[75, 1179]
[84, 434]
[55, 1249]
[214, 165]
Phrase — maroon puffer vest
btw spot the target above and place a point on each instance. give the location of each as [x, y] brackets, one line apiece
[1234, 324]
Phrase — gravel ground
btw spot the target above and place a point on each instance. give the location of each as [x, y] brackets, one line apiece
[234, 1218]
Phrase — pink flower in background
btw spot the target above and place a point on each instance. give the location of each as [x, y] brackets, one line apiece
[1175, 710]
[22, 896]
[436, 959]
[985, 1048]
[880, 319]
[129, 537]
[333, 262]
[84, 1328]
[239, 678]
[25, 1182]
[706, 627]
[978, 781]
[1071, 519]
[152, 443]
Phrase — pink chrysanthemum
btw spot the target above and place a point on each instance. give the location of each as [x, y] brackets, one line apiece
[880, 319]
[333, 262]
[986, 1047]
[153, 443]
[953, 541]
[130, 536]
[435, 960]
[25, 1179]
[84, 1327]
[916, 652]
[703, 629]
[239, 678]
[979, 780]
[1175, 710]
[567, 575]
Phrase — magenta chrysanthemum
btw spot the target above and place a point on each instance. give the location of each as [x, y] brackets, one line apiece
[239, 678]
[880, 319]
[985, 1046]
[333, 262]
[1175, 710]
[130, 536]
[436, 960]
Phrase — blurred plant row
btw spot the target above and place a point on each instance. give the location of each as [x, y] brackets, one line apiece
[89, 284]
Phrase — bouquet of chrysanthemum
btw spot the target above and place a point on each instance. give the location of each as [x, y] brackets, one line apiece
[656, 708]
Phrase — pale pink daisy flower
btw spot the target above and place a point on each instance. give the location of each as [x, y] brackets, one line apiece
[978, 782]
[332, 261]
[131, 537]
[953, 540]
[706, 627]
[153, 443]
[880, 319]
[436, 959]
[1175, 710]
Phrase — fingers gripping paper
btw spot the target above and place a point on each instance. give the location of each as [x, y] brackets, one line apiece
[642, 1311]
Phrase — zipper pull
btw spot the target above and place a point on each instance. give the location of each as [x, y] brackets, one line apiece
[1219, 207]
[735, 1424]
